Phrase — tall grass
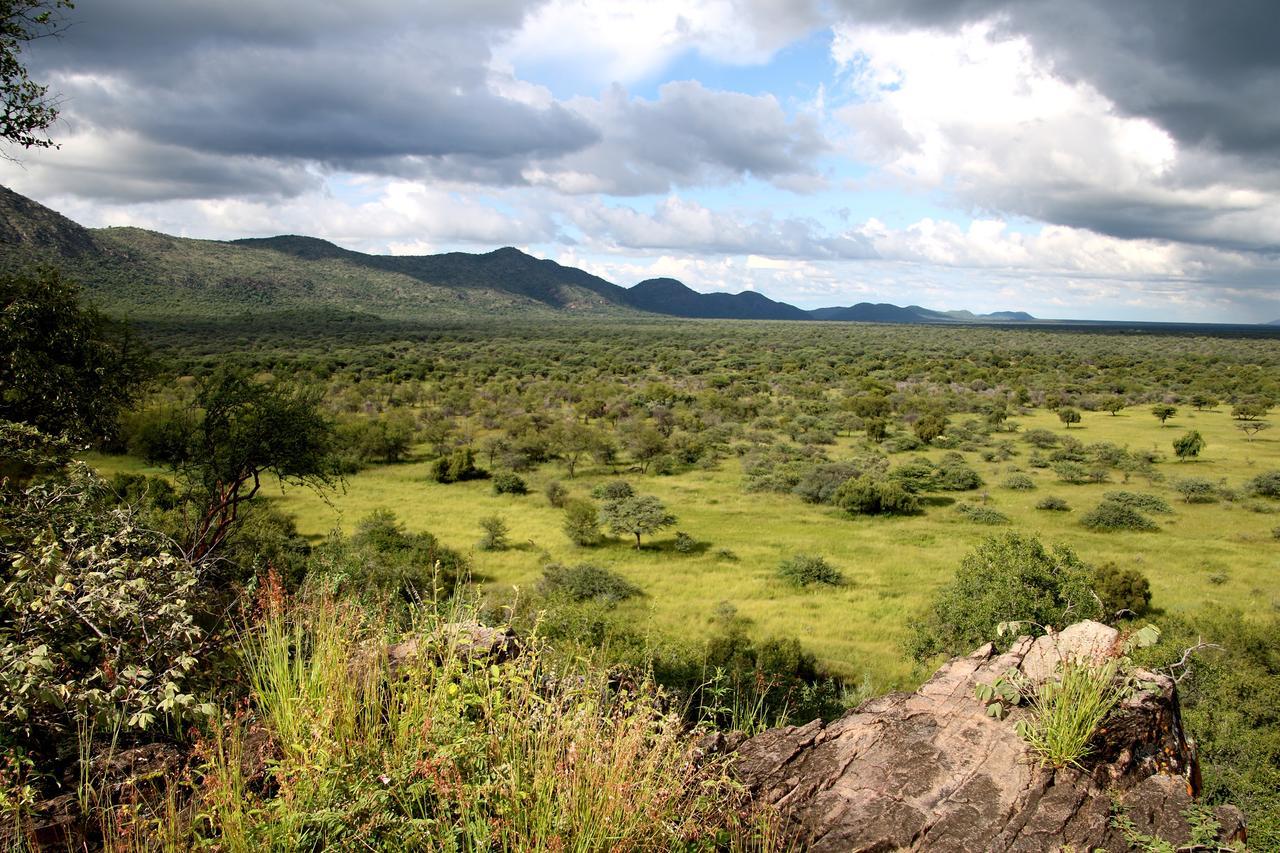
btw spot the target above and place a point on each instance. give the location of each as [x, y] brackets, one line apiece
[1067, 710]
[448, 751]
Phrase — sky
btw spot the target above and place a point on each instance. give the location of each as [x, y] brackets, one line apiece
[1070, 158]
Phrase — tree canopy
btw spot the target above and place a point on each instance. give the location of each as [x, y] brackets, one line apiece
[28, 109]
[64, 368]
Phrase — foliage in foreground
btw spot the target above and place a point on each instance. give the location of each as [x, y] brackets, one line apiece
[451, 752]
[1230, 694]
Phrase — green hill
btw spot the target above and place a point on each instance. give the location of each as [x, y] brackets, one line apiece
[144, 274]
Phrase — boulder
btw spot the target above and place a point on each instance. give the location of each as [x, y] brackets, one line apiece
[930, 770]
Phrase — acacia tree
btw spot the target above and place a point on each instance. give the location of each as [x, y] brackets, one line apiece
[1252, 428]
[1163, 411]
[1068, 416]
[637, 515]
[236, 431]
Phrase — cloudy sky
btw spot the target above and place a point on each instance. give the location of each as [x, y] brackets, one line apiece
[1089, 158]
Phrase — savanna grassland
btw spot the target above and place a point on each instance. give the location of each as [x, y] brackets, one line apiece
[1219, 551]
[684, 527]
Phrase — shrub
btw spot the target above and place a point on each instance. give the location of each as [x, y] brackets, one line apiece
[383, 557]
[1122, 589]
[1041, 438]
[1019, 482]
[867, 496]
[917, 475]
[1265, 485]
[495, 534]
[510, 484]
[805, 569]
[1053, 504]
[456, 467]
[86, 595]
[556, 494]
[684, 543]
[981, 514]
[582, 522]
[1229, 697]
[1197, 490]
[1071, 472]
[1140, 502]
[1109, 515]
[955, 476]
[585, 582]
[729, 555]
[1009, 577]
[820, 483]
[613, 490]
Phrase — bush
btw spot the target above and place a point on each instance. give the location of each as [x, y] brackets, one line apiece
[1140, 502]
[1266, 485]
[1196, 490]
[981, 514]
[955, 476]
[1122, 589]
[1019, 482]
[1053, 504]
[585, 582]
[510, 484]
[916, 475]
[495, 534]
[1109, 516]
[582, 522]
[1071, 472]
[1009, 577]
[456, 467]
[1229, 697]
[613, 490]
[87, 594]
[556, 494]
[867, 496]
[1041, 438]
[383, 557]
[805, 569]
[820, 483]
[684, 543]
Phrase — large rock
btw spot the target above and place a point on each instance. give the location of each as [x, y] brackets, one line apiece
[931, 770]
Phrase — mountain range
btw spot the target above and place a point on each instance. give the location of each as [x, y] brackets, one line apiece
[143, 274]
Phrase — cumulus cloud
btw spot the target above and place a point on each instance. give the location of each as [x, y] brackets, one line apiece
[977, 113]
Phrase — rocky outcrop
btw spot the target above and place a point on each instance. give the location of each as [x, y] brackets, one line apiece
[931, 770]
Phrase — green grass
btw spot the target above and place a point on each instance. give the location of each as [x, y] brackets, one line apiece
[1204, 553]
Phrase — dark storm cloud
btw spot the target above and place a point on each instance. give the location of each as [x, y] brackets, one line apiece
[355, 86]
[393, 88]
[1207, 73]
